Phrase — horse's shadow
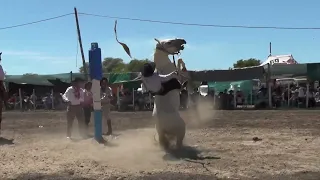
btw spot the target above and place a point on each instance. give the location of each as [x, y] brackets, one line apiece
[187, 152]
[4, 141]
[105, 140]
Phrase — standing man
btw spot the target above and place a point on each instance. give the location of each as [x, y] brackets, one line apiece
[106, 95]
[74, 96]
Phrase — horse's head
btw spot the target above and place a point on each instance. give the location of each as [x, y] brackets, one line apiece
[171, 46]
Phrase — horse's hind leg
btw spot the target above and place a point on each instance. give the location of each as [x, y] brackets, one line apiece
[180, 136]
[163, 141]
[180, 141]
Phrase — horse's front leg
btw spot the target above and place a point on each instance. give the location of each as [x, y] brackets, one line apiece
[163, 141]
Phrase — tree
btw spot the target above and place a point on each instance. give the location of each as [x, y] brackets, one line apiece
[30, 74]
[110, 64]
[81, 68]
[117, 65]
[135, 65]
[247, 63]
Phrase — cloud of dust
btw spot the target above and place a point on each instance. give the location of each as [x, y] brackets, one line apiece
[202, 113]
[132, 150]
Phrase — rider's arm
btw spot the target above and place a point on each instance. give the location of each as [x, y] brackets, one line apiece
[67, 96]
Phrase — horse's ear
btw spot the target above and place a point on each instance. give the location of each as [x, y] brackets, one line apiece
[157, 40]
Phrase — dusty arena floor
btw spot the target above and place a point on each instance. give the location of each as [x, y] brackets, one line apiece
[219, 144]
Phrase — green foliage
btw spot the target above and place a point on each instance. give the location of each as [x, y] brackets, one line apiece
[30, 74]
[117, 65]
[135, 65]
[246, 63]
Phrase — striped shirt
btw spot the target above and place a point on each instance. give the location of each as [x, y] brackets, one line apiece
[87, 98]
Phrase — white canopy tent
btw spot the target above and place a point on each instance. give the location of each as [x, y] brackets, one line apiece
[280, 59]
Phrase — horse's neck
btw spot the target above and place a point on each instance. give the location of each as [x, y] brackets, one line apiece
[163, 63]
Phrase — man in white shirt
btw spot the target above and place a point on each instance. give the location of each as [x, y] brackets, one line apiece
[106, 96]
[301, 94]
[74, 96]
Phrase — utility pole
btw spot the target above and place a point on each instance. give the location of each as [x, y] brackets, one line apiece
[270, 49]
[85, 70]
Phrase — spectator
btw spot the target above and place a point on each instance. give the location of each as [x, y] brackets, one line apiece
[312, 101]
[106, 95]
[74, 97]
[301, 94]
[87, 103]
[33, 99]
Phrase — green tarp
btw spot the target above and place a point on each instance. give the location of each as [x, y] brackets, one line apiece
[119, 77]
[64, 77]
[131, 84]
[279, 71]
[313, 70]
[32, 79]
[245, 86]
[218, 86]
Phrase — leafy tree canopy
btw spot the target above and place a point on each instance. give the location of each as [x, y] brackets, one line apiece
[117, 65]
[242, 63]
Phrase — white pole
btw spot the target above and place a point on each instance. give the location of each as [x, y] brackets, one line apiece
[270, 94]
[34, 99]
[307, 96]
[52, 98]
[235, 97]
[133, 98]
[20, 98]
[118, 97]
[288, 95]
[214, 100]
[251, 97]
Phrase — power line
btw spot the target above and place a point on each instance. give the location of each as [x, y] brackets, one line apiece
[202, 25]
[35, 22]
[166, 22]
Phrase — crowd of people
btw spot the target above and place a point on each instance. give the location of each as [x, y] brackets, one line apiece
[295, 96]
[224, 100]
[32, 101]
[80, 105]
[282, 95]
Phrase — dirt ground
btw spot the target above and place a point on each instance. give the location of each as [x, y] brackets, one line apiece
[219, 145]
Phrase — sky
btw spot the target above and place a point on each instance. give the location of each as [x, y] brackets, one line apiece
[51, 47]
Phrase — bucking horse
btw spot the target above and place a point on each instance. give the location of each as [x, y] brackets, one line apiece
[169, 123]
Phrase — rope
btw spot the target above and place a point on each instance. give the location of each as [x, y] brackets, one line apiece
[201, 25]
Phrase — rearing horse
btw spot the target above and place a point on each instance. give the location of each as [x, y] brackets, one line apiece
[169, 123]
[166, 108]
